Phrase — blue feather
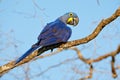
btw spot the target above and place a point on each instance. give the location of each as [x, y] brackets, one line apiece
[54, 32]
[32, 49]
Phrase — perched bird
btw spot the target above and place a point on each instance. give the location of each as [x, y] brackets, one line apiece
[54, 33]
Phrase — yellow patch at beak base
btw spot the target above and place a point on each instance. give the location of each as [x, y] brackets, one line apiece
[70, 20]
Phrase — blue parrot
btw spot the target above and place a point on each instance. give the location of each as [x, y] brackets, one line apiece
[53, 33]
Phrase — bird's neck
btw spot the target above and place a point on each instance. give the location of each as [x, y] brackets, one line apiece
[62, 19]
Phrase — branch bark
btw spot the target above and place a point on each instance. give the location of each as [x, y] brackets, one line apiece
[5, 68]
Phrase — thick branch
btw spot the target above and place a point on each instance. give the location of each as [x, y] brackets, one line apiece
[5, 68]
[98, 29]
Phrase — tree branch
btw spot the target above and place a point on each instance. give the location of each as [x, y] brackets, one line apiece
[90, 61]
[5, 68]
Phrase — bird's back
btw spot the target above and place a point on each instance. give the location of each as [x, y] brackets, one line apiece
[54, 32]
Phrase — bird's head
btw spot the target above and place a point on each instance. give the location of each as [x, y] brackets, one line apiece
[70, 18]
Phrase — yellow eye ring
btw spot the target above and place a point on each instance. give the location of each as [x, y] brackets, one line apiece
[70, 14]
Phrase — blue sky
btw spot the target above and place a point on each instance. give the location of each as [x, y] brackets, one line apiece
[22, 20]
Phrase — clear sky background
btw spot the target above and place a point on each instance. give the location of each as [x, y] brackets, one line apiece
[22, 20]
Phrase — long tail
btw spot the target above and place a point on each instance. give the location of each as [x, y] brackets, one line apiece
[32, 49]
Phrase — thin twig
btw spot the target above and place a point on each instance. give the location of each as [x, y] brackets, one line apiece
[114, 74]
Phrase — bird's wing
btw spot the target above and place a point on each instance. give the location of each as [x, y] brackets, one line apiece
[45, 30]
[56, 33]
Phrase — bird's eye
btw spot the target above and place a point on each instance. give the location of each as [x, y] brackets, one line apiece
[70, 14]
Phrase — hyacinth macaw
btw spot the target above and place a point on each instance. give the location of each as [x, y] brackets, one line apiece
[53, 33]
